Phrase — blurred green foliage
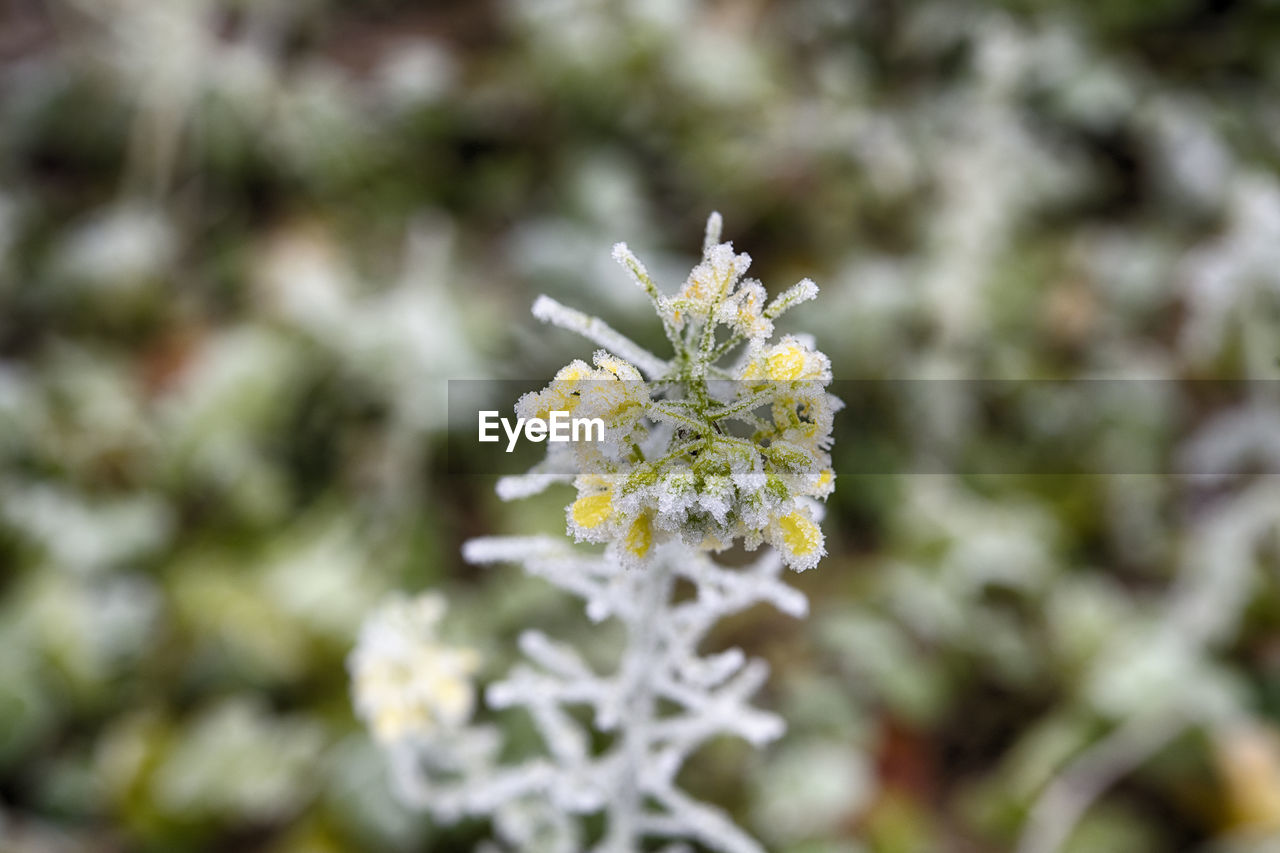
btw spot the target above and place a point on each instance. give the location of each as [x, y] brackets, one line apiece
[244, 244]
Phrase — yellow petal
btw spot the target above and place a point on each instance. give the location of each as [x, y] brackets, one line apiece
[640, 536]
[786, 363]
[801, 535]
[592, 510]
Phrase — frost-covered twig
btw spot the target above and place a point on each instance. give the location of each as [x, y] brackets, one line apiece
[598, 331]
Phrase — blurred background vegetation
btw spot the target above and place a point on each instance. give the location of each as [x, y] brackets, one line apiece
[244, 244]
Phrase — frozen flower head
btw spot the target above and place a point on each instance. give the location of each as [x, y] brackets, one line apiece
[726, 441]
[406, 682]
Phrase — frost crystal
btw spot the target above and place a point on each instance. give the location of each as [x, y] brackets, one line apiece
[697, 457]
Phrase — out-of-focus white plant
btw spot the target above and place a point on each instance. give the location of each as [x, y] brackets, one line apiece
[1157, 673]
[82, 537]
[416, 71]
[391, 339]
[119, 249]
[214, 411]
[319, 576]
[1157, 677]
[1232, 284]
[87, 630]
[811, 788]
[670, 483]
[188, 74]
[401, 342]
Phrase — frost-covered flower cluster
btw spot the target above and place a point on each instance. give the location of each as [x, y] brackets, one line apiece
[404, 679]
[698, 456]
[704, 452]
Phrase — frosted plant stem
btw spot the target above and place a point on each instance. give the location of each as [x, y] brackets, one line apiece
[1073, 791]
[598, 331]
[643, 659]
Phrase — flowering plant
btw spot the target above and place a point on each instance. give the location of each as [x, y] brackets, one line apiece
[697, 457]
